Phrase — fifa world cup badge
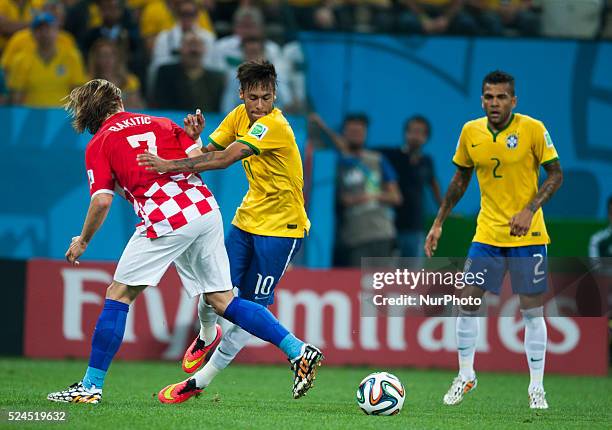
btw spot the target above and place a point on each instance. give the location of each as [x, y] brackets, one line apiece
[258, 131]
[512, 141]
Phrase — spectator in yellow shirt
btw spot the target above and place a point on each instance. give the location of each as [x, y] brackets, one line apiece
[106, 61]
[43, 78]
[160, 15]
[23, 40]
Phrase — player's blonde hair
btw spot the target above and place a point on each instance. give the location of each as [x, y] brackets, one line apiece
[90, 104]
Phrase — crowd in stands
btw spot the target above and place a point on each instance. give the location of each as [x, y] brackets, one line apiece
[179, 53]
[183, 54]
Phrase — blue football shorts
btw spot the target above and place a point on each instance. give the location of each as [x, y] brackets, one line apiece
[257, 262]
[527, 266]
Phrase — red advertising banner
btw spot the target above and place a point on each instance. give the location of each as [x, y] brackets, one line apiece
[323, 307]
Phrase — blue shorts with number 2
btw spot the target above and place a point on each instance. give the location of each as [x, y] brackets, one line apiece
[527, 266]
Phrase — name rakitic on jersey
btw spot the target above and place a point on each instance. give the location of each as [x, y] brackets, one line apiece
[130, 122]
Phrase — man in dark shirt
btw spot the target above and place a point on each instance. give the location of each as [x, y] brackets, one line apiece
[415, 171]
[187, 84]
[367, 193]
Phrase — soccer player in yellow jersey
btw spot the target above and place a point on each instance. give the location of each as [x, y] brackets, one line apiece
[506, 150]
[269, 225]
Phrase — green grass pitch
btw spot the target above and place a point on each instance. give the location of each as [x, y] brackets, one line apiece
[253, 397]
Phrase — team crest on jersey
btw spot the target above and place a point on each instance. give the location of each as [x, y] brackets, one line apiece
[512, 141]
[258, 131]
[60, 70]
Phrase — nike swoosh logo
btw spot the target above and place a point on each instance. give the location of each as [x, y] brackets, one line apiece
[239, 135]
[168, 392]
[190, 364]
[474, 146]
[463, 349]
[536, 280]
[536, 360]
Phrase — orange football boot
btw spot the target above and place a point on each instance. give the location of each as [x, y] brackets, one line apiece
[178, 393]
[195, 355]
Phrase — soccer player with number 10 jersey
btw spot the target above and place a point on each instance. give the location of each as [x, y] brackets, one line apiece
[270, 223]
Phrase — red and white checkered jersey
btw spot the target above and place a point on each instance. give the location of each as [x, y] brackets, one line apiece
[164, 201]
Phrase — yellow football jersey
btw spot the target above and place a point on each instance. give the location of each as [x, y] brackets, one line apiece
[23, 41]
[507, 164]
[45, 84]
[274, 204]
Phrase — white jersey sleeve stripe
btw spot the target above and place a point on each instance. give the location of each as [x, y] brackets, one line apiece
[103, 191]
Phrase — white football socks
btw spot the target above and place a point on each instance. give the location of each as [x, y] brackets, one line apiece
[208, 321]
[233, 340]
[205, 375]
[535, 345]
[467, 328]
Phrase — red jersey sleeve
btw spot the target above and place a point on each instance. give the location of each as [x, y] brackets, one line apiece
[186, 143]
[99, 172]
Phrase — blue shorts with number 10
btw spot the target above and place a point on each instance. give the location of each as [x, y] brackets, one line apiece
[527, 266]
[258, 262]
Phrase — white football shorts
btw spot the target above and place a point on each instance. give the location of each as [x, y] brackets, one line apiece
[196, 249]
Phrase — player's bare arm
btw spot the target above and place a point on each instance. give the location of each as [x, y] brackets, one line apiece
[98, 210]
[521, 222]
[209, 161]
[455, 191]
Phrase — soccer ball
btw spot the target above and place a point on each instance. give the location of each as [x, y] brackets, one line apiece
[381, 393]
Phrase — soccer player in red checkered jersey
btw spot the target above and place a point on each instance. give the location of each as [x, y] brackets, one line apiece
[181, 224]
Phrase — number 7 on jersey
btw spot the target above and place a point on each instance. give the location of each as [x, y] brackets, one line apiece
[148, 137]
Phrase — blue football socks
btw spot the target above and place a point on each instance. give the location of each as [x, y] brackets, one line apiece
[291, 346]
[107, 338]
[259, 321]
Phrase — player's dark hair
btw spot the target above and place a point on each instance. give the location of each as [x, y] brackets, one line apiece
[90, 104]
[356, 117]
[499, 77]
[252, 74]
[422, 120]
